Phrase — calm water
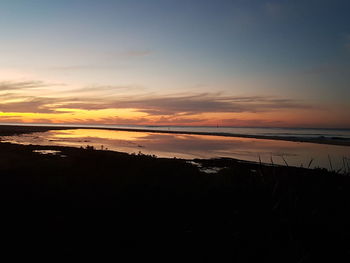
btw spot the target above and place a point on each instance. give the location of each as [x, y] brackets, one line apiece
[295, 132]
[193, 146]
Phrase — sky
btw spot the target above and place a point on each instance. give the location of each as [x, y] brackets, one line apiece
[176, 62]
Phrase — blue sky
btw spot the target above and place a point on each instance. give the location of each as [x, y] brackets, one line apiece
[287, 50]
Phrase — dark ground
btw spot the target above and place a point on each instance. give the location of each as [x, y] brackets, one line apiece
[101, 203]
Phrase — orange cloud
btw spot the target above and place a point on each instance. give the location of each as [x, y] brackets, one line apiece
[111, 105]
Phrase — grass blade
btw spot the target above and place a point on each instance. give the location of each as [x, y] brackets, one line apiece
[285, 161]
[330, 163]
[312, 159]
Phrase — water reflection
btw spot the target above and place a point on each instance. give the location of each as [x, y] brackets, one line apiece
[193, 146]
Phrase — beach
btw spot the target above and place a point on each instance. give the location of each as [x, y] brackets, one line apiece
[175, 131]
[111, 204]
[191, 145]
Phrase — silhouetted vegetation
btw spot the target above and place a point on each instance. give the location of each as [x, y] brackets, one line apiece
[94, 202]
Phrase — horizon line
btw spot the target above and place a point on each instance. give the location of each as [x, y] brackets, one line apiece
[165, 126]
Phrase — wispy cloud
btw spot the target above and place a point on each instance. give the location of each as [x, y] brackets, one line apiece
[9, 85]
[148, 103]
[107, 88]
[160, 120]
[29, 105]
[188, 104]
[10, 118]
[151, 108]
[252, 122]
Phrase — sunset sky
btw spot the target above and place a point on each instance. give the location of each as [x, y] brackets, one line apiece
[176, 62]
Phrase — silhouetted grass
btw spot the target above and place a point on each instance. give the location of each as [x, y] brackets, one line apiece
[95, 202]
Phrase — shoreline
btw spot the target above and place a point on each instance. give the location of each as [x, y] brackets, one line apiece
[10, 130]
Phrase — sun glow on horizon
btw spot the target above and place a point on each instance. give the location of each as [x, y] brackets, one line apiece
[161, 63]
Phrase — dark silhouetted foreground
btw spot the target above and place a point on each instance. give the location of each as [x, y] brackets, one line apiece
[102, 203]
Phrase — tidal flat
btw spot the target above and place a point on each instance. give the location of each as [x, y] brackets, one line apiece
[190, 146]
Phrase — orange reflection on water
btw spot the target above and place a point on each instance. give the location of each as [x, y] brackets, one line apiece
[193, 146]
[97, 133]
[207, 146]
